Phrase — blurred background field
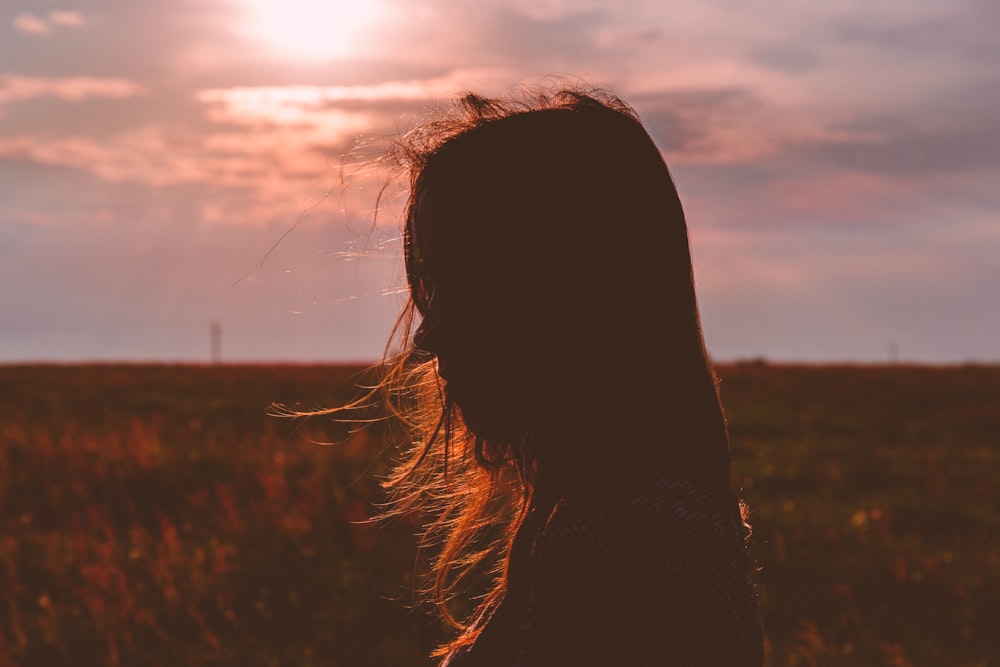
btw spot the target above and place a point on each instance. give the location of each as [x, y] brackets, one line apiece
[155, 515]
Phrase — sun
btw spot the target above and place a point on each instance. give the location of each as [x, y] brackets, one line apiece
[310, 29]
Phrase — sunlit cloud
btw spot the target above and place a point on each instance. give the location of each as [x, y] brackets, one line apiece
[30, 24]
[293, 106]
[15, 88]
[67, 18]
[325, 119]
[161, 156]
[276, 101]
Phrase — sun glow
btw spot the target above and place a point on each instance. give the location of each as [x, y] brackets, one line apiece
[311, 29]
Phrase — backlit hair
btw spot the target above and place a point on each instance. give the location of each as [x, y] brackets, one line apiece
[559, 207]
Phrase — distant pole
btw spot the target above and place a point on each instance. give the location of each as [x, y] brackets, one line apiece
[893, 353]
[216, 331]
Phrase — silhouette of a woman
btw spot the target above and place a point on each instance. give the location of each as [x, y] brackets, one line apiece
[572, 450]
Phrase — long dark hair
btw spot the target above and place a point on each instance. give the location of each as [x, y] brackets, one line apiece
[555, 211]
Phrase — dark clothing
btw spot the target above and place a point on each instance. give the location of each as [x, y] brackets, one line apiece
[653, 572]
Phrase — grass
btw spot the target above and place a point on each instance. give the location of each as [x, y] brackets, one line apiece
[155, 515]
[876, 501]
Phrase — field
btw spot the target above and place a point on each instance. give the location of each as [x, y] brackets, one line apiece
[155, 515]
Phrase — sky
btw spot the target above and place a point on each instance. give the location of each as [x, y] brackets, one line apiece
[169, 164]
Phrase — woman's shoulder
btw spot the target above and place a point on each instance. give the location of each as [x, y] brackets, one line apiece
[656, 567]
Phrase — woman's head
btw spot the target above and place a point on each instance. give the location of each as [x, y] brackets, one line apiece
[547, 254]
[547, 258]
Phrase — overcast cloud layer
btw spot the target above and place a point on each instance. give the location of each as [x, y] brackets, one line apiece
[838, 163]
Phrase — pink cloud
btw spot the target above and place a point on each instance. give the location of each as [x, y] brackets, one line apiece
[842, 195]
[14, 88]
[270, 99]
[152, 155]
[67, 18]
[257, 176]
[30, 24]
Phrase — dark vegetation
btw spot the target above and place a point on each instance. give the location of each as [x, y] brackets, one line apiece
[155, 515]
